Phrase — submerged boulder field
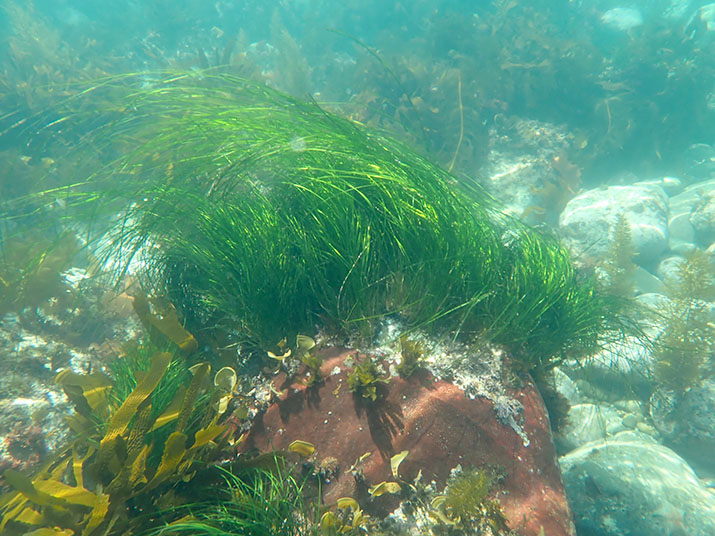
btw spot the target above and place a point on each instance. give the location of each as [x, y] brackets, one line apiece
[441, 427]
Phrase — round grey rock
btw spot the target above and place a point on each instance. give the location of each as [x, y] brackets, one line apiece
[566, 387]
[636, 487]
[588, 220]
[586, 423]
[622, 366]
[671, 185]
[687, 423]
[691, 218]
[669, 268]
[703, 217]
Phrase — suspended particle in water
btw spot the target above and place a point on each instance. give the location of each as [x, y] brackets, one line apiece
[298, 144]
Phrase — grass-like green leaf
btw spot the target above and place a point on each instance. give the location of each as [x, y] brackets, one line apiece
[246, 205]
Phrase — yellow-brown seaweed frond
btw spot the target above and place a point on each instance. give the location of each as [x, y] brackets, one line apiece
[618, 265]
[412, 354]
[683, 352]
[164, 321]
[465, 503]
[86, 488]
[30, 268]
[365, 378]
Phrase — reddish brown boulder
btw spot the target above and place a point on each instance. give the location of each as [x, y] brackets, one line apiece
[439, 426]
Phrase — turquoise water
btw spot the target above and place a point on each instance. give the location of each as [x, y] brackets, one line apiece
[558, 108]
[632, 83]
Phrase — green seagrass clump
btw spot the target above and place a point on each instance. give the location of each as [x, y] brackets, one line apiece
[271, 217]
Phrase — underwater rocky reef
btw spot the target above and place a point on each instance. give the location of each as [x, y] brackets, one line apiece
[437, 270]
[289, 223]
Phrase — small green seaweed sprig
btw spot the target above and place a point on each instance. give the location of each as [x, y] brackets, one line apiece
[365, 378]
